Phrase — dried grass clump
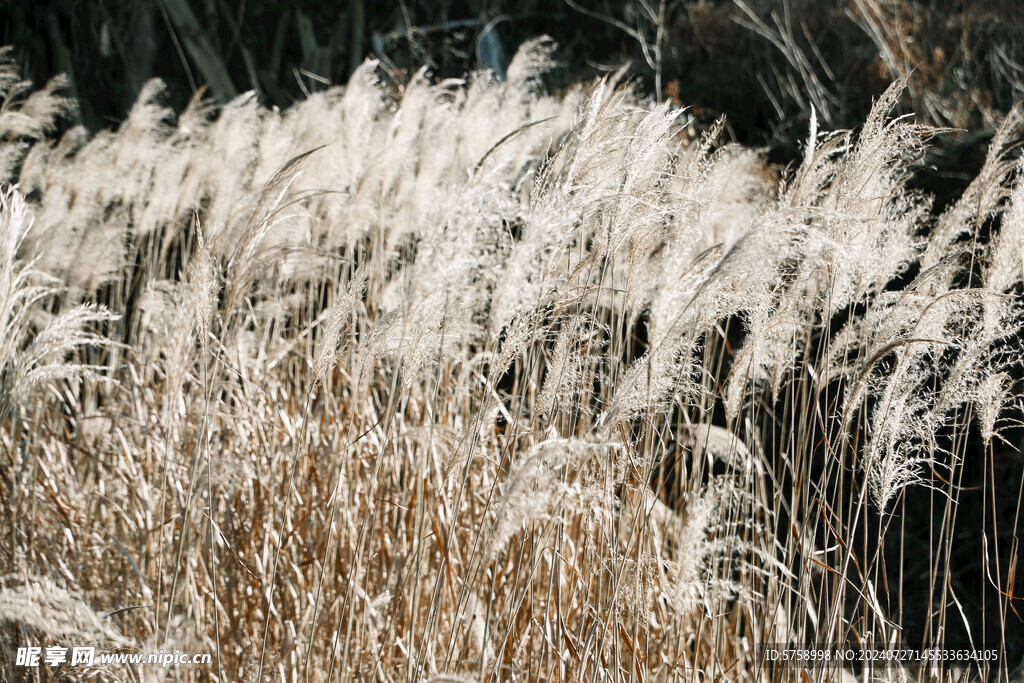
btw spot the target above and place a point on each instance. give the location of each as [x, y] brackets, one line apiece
[52, 611]
[465, 381]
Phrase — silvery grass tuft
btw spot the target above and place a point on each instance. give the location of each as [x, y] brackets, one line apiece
[463, 380]
[33, 343]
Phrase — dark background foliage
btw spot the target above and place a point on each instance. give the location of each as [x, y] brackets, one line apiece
[763, 63]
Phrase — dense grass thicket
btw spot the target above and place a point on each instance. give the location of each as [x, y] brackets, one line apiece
[463, 381]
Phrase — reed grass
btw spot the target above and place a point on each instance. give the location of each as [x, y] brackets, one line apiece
[463, 381]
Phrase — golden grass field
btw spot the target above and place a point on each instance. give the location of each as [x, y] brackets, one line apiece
[468, 381]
